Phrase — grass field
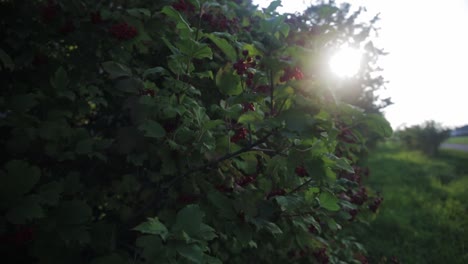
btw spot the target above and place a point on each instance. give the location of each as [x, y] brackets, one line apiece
[424, 216]
[457, 140]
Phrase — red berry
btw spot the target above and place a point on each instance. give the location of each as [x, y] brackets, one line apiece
[245, 52]
[187, 199]
[68, 27]
[279, 192]
[245, 181]
[298, 74]
[241, 133]
[321, 256]
[223, 188]
[95, 17]
[248, 107]
[49, 11]
[262, 89]
[301, 171]
[123, 31]
[312, 229]
[183, 6]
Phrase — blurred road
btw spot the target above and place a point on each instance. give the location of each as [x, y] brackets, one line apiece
[455, 146]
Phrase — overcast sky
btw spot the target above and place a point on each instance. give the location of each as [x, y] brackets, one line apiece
[427, 65]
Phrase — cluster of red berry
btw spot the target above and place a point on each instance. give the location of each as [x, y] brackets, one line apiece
[346, 135]
[183, 6]
[361, 258]
[321, 256]
[353, 213]
[359, 197]
[291, 73]
[241, 133]
[147, 92]
[123, 31]
[224, 189]
[301, 171]
[248, 107]
[245, 181]
[262, 89]
[68, 27]
[49, 11]
[243, 66]
[187, 199]
[312, 229]
[279, 192]
[20, 237]
[95, 17]
[356, 176]
[219, 22]
[375, 204]
[297, 254]
[40, 59]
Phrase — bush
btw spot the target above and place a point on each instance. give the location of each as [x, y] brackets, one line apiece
[426, 137]
[179, 132]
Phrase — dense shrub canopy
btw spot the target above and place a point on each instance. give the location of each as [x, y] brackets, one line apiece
[426, 137]
[181, 132]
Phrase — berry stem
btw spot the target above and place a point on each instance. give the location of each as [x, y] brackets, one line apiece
[272, 107]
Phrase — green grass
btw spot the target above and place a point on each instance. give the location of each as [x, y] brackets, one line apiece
[424, 216]
[457, 140]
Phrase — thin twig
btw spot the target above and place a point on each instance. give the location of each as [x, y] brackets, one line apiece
[300, 186]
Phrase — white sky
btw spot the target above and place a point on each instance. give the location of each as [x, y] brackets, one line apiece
[427, 67]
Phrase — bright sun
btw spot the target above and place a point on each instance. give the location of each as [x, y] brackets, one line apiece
[345, 62]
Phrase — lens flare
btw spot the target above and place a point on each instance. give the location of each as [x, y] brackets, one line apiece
[346, 62]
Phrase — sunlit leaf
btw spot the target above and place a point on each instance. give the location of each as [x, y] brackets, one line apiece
[153, 226]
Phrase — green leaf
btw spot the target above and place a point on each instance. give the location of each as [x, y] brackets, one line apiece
[224, 46]
[20, 179]
[71, 184]
[27, 209]
[189, 220]
[22, 102]
[341, 163]
[228, 82]
[116, 70]
[222, 204]
[152, 129]
[194, 49]
[271, 227]
[152, 248]
[273, 6]
[329, 201]
[84, 146]
[296, 120]
[110, 259]
[379, 125]
[155, 70]
[6, 60]
[74, 234]
[205, 74]
[212, 260]
[191, 252]
[250, 118]
[139, 12]
[60, 79]
[310, 194]
[153, 226]
[176, 16]
[73, 213]
[203, 51]
[50, 193]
